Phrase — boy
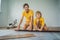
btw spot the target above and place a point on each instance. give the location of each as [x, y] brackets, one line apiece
[39, 22]
[28, 14]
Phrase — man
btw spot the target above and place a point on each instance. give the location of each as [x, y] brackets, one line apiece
[28, 14]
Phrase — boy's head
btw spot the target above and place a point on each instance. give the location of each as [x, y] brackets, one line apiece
[26, 7]
[38, 14]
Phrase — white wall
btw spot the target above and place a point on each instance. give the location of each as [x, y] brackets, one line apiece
[59, 12]
[4, 13]
[49, 9]
[0, 5]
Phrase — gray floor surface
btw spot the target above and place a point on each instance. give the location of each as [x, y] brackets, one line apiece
[39, 35]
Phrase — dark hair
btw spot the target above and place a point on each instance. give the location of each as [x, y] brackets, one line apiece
[26, 4]
[38, 12]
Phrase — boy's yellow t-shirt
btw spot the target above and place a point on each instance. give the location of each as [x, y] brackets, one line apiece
[41, 21]
[28, 15]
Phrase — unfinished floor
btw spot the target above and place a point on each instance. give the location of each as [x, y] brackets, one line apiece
[39, 35]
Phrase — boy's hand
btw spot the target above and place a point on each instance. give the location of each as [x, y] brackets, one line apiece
[40, 29]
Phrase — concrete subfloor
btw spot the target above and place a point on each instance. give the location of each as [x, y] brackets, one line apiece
[39, 35]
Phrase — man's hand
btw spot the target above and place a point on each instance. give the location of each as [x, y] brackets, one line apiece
[18, 28]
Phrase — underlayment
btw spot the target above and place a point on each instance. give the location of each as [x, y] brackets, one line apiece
[39, 35]
[16, 36]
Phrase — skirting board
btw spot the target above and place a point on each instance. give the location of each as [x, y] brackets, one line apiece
[38, 31]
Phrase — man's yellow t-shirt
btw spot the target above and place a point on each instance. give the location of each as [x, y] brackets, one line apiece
[41, 21]
[28, 15]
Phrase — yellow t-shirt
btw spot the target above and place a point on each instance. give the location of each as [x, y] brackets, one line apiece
[41, 21]
[28, 15]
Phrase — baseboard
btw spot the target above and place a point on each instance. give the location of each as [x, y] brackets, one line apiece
[49, 28]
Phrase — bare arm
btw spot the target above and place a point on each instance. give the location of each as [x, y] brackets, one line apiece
[32, 18]
[31, 22]
[42, 25]
[41, 28]
[20, 22]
